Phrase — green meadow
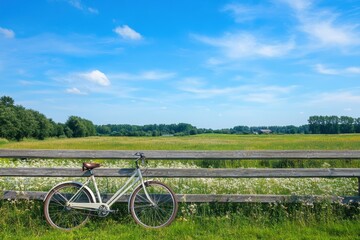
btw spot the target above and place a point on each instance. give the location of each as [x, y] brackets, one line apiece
[323, 220]
[197, 142]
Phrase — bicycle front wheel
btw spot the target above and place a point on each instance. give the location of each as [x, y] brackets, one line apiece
[155, 206]
[61, 216]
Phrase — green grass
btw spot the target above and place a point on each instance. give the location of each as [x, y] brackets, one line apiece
[3, 141]
[23, 220]
[201, 229]
[198, 142]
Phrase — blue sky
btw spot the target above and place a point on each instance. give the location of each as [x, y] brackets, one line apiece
[214, 64]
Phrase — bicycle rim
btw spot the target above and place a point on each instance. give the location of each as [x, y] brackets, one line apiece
[60, 216]
[156, 215]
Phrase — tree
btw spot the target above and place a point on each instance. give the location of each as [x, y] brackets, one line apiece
[346, 124]
[80, 127]
[27, 123]
[9, 123]
[357, 125]
[7, 101]
[43, 128]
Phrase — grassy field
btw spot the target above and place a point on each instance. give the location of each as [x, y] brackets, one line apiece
[197, 142]
[24, 219]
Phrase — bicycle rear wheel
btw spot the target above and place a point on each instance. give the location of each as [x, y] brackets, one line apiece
[159, 214]
[59, 215]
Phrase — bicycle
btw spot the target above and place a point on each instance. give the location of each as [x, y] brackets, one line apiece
[70, 204]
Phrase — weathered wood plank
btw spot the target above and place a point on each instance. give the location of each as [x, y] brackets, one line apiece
[187, 173]
[195, 198]
[154, 154]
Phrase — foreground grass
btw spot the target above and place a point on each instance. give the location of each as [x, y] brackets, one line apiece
[198, 142]
[24, 220]
[205, 229]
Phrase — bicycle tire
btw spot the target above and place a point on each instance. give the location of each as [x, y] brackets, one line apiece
[58, 215]
[153, 216]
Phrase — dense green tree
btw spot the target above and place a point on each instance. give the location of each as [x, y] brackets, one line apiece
[9, 123]
[80, 127]
[27, 123]
[346, 124]
[43, 128]
[357, 125]
[7, 101]
[332, 124]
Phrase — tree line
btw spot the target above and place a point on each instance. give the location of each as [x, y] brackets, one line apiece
[17, 122]
[333, 124]
[147, 130]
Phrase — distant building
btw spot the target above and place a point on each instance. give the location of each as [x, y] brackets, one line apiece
[264, 131]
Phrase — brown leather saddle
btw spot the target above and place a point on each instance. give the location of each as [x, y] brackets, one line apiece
[90, 166]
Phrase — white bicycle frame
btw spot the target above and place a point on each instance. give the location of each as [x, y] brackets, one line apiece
[97, 204]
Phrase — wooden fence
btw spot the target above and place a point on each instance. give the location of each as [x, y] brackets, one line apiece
[190, 173]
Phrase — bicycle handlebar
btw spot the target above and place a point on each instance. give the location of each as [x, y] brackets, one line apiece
[141, 156]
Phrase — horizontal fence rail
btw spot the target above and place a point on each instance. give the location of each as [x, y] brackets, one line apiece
[189, 173]
[186, 173]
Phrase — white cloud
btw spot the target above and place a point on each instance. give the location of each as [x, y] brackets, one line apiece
[96, 77]
[298, 5]
[128, 33]
[155, 75]
[75, 90]
[7, 33]
[248, 93]
[320, 68]
[146, 75]
[328, 34]
[242, 13]
[338, 97]
[323, 70]
[355, 70]
[246, 45]
[79, 5]
[322, 25]
[93, 10]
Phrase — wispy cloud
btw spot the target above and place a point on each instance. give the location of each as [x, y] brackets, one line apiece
[242, 45]
[75, 90]
[320, 68]
[354, 70]
[7, 33]
[243, 13]
[249, 93]
[146, 75]
[327, 33]
[81, 6]
[322, 25]
[128, 33]
[338, 97]
[298, 5]
[71, 45]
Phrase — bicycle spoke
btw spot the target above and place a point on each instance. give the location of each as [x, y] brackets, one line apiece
[158, 214]
[61, 216]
